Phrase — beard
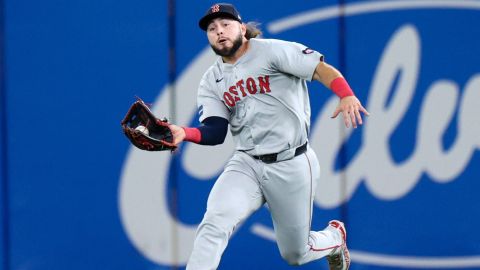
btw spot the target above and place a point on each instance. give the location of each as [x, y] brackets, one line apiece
[228, 52]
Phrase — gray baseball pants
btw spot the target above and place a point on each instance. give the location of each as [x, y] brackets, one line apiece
[243, 187]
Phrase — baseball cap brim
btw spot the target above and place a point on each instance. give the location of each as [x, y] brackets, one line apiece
[203, 23]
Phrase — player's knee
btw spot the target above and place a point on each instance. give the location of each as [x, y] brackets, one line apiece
[218, 223]
[208, 229]
[292, 257]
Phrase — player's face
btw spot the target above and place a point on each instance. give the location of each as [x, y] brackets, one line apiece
[225, 36]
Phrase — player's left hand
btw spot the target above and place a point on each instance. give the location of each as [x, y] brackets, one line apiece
[350, 107]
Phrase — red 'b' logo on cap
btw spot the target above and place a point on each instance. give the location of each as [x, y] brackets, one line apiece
[215, 8]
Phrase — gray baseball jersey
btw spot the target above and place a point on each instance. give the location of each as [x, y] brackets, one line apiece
[263, 95]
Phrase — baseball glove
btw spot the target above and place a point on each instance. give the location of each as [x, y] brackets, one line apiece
[145, 131]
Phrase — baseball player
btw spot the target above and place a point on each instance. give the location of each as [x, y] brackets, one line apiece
[258, 87]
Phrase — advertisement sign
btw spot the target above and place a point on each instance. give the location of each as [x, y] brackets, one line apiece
[81, 197]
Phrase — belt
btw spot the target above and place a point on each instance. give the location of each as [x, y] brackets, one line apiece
[271, 158]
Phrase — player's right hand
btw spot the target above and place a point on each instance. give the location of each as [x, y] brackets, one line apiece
[178, 134]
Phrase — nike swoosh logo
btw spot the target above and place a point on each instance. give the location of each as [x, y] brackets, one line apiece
[218, 80]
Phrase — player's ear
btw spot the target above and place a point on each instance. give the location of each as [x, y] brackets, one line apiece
[243, 28]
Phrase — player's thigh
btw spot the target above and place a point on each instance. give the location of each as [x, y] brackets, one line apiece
[289, 188]
[235, 196]
[289, 192]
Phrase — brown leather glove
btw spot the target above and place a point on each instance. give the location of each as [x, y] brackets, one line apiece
[146, 131]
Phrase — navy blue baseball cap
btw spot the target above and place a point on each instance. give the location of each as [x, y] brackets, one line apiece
[219, 10]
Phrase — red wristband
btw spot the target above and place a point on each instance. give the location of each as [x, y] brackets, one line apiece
[341, 88]
[192, 135]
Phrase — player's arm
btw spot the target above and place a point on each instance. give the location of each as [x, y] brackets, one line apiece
[213, 115]
[349, 105]
[212, 132]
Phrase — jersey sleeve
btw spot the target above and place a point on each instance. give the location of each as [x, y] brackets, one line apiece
[208, 102]
[295, 59]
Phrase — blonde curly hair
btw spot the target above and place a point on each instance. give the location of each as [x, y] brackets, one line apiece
[253, 30]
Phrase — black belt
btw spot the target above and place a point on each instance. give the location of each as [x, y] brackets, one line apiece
[271, 158]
